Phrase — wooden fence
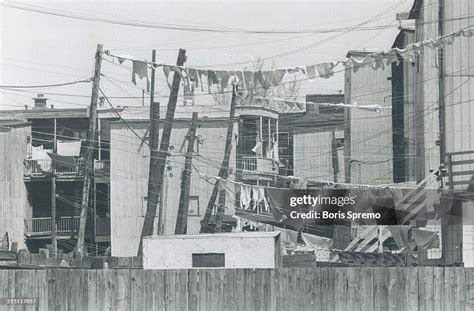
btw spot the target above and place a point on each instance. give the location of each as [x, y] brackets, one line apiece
[242, 289]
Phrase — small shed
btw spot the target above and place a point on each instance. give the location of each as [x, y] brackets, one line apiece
[226, 250]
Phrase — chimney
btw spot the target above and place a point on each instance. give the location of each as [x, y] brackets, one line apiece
[40, 102]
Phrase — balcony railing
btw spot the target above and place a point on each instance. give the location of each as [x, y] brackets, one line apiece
[41, 167]
[102, 167]
[43, 225]
[102, 226]
[257, 165]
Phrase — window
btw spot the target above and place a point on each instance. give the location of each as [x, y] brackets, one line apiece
[208, 260]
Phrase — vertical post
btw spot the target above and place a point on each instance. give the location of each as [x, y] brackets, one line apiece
[224, 170]
[441, 95]
[159, 169]
[54, 239]
[182, 219]
[335, 160]
[143, 94]
[89, 159]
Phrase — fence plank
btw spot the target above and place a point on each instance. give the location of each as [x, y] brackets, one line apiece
[341, 292]
[182, 289]
[460, 289]
[410, 275]
[366, 289]
[470, 289]
[380, 289]
[448, 289]
[438, 275]
[137, 290]
[159, 290]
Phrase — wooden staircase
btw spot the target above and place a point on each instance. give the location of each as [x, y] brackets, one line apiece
[413, 202]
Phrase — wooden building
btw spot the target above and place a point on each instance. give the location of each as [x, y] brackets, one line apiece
[14, 207]
[368, 135]
[48, 129]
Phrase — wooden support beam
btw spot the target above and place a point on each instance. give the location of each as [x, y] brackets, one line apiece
[158, 170]
[89, 159]
[224, 170]
[182, 219]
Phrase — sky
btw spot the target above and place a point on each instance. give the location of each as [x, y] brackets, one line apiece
[39, 49]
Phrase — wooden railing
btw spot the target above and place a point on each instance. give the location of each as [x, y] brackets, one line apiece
[249, 163]
[102, 226]
[460, 166]
[41, 167]
[256, 164]
[102, 167]
[42, 225]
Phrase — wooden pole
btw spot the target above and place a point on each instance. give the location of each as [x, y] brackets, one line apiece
[182, 219]
[54, 239]
[89, 159]
[224, 170]
[159, 171]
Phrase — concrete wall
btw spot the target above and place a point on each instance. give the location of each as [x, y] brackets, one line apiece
[242, 250]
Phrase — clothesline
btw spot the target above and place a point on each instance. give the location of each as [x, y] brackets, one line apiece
[376, 108]
[271, 78]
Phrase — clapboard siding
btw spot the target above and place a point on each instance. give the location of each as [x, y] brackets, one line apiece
[312, 155]
[14, 207]
[129, 177]
[371, 153]
[411, 289]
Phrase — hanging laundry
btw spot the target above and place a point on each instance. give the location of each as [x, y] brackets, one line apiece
[140, 68]
[262, 199]
[269, 76]
[311, 72]
[325, 70]
[377, 61]
[261, 79]
[212, 78]
[249, 77]
[254, 198]
[245, 196]
[280, 210]
[425, 239]
[401, 235]
[258, 148]
[238, 224]
[166, 72]
[296, 69]
[68, 148]
[188, 92]
[391, 57]
[202, 73]
[42, 157]
[60, 161]
[286, 235]
[193, 75]
[223, 77]
[122, 58]
[316, 242]
[274, 154]
[278, 76]
[449, 40]
[468, 32]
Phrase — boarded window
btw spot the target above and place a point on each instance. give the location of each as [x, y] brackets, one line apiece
[209, 260]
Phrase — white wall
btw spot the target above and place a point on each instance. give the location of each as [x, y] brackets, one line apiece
[245, 250]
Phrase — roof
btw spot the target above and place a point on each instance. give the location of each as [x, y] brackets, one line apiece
[235, 235]
[13, 123]
[63, 113]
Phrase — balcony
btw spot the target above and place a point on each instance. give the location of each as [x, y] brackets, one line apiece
[45, 167]
[43, 225]
[102, 226]
[254, 167]
[102, 170]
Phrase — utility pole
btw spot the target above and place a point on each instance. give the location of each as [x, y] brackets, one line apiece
[159, 169]
[182, 219]
[89, 160]
[54, 238]
[224, 170]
